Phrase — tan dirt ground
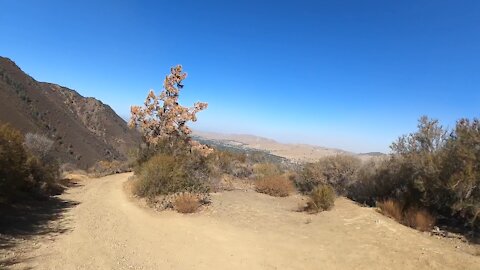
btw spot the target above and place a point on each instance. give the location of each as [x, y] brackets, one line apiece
[239, 230]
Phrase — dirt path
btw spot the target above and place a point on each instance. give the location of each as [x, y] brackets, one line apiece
[240, 230]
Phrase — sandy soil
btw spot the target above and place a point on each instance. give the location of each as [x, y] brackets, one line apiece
[240, 230]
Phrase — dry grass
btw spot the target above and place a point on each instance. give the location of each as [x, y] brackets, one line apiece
[278, 186]
[262, 170]
[419, 219]
[186, 203]
[392, 209]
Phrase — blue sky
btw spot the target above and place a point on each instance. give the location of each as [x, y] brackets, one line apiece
[346, 74]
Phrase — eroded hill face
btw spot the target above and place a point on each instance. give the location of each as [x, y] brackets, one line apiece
[84, 129]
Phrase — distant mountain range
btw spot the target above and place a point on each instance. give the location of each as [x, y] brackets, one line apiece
[294, 152]
[84, 129]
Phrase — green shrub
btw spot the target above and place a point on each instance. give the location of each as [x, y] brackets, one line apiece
[459, 182]
[44, 168]
[165, 174]
[377, 181]
[321, 198]
[14, 169]
[26, 167]
[45, 176]
[430, 170]
[308, 177]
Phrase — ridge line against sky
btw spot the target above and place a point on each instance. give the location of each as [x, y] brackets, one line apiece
[352, 75]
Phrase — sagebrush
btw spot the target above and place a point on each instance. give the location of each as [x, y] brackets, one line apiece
[26, 167]
[433, 168]
[164, 174]
[321, 198]
[338, 171]
[277, 185]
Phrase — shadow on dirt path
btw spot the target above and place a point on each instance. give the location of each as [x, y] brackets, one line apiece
[30, 220]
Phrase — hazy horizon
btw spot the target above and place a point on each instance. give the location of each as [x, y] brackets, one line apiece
[349, 75]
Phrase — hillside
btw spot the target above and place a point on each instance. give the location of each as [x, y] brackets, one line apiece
[294, 152]
[84, 129]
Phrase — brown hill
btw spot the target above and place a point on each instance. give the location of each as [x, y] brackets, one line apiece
[84, 129]
[294, 152]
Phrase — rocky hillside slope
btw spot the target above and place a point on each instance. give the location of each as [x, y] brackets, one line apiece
[84, 129]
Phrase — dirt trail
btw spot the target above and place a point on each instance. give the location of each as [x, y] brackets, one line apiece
[240, 230]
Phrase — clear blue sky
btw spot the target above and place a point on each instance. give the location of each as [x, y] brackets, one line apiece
[347, 74]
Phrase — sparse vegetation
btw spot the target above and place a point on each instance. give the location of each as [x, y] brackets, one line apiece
[39, 145]
[13, 162]
[186, 203]
[164, 174]
[337, 171]
[392, 209]
[262, 170]
[231, 163]
[26, 168]
[421, 220]
[274, 185]
[432, 169]
[321, 198]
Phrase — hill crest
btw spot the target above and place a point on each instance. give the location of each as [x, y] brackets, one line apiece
[85, 130]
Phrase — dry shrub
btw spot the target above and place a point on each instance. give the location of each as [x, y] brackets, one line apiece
[186, 203]
[163, 118]
[278, 186]
[166, 174]
[419, 219]
[226, 162]
[46, 176]
[337, 171]
[322, 198]
[262, 170]
[38, 144]
[392, 209]
[26, 169]
[14, 169]
[156, 177]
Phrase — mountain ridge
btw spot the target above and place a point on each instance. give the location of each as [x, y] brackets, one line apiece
[292, 151]
[84, 129]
